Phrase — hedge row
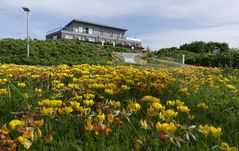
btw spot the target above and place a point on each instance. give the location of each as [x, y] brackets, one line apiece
[52, 52]
[224, 59]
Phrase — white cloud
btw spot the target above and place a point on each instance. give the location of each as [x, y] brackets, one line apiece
[209, 10]
[177, 37]
[215, 20]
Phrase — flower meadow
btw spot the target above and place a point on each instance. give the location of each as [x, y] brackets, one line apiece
[92, 107]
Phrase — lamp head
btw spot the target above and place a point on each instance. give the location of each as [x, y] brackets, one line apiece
[26, 9]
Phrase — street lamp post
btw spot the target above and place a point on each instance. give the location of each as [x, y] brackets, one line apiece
[28, 47]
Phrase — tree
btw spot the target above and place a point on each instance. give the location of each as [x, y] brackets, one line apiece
[203, 47]
[196, 46]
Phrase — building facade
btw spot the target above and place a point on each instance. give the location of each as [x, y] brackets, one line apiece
[92, 32]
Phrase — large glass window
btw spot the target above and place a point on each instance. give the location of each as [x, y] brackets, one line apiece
[76, 30]
[90, 31]
[81, 29]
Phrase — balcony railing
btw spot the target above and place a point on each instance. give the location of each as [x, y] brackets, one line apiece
[84, 33]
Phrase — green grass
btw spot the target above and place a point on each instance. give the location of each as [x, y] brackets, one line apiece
[203, 85]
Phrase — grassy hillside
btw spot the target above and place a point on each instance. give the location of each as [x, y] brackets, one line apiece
[174, 54]
[118, 108]
[52, 52]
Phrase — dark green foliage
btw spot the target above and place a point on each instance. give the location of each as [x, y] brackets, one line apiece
[51, 52]
[205, 47]
[224, 59]
[203, 54]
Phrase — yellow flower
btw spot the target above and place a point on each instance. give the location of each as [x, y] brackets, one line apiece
[149, 98]
[166, 128]
[204, 129]
[60, 86]
[110, 117]
[109, 91]
[231, 87]
[88, 126]
[21, 84]
[115, 104]
[89, 96]
[75, 104]
[216, 132]
[109, 62]
[82, 109]
[202, 106]
[225, 147]
[88, 102]
[3, 81]
[60, 111]
[16, 123]
[71, 86]
[25, 142]
[3, 92]
[50, 103]
[101, 117]
[183, 109]
[4, 130]
[169, 113]
[39, 92]
[183, 90]
[47, 111]
[125, 87]
[67, 109]
[134, 106]
[29, 133]
[172, 127]
[152, 112]
[179, 103]
[38, 122]
[191, 117]
[157, 106]
[143, 124]
[171, 103]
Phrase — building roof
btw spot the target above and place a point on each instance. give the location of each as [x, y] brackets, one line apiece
[91, 23]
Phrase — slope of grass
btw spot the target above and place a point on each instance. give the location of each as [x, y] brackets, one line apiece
[89, 107]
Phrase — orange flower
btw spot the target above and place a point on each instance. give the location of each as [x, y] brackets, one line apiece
[4, 130]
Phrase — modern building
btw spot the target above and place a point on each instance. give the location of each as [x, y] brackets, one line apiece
[92, 32]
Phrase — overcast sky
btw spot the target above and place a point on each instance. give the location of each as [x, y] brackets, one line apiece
[159, 23]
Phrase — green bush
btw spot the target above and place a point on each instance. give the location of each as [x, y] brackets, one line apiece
[55, 52]
[224, 59]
